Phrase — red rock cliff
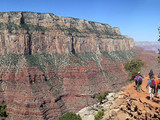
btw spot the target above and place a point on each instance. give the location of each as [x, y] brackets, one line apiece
[51, 64]
[31, 33]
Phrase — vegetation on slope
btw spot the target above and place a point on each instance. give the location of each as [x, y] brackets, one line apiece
[99, 115]
[57, 61]
[70, 116]
[119, 55]
[133, 67]
[3, 113]
[29, 27]
[100, 97]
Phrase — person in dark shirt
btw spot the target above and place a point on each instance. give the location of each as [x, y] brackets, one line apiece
[151, 74]
[151, 83]
[139, 83]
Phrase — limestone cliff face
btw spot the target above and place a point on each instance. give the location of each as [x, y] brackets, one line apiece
[31, 33]
[51, 65]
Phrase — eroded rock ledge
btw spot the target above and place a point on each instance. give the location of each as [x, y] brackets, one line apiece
[126, 105]
[31, 33]
[51, 65]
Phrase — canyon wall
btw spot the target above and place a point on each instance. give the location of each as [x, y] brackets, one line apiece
[149, 58]
[51, 65]
[31, 33]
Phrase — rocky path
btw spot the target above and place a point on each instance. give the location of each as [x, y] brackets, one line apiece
[131, 104]
[128, 104]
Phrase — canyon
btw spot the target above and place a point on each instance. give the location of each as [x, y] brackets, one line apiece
[154, 46]
[51, 65]
[32, 33]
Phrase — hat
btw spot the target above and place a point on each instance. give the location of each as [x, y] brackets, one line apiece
[139, 72]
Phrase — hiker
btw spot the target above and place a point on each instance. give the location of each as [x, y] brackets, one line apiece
[158, 86]
[150, 74]
[151, 83]
[136, 79]
[139, 82]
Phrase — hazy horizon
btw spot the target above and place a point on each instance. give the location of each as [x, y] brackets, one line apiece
[138, 19]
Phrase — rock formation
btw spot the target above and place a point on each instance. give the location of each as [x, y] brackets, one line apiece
[127, 104]
[51, 64]
[31, 33]
[132, 105]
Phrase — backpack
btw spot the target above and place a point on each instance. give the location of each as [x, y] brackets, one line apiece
[139, 80]
[153, 84]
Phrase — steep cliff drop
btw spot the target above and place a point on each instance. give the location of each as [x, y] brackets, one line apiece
[51, 64]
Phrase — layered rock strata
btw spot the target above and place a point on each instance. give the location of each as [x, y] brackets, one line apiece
[31, 33]
[51, 64]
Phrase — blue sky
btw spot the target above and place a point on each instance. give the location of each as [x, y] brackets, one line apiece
[138, 19]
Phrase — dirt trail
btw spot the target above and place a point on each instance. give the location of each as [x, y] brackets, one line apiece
[143, 95]
[133, 105]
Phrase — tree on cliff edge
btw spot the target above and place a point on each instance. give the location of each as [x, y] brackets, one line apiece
[133, 67]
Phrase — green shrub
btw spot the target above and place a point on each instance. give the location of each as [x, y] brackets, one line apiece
[99, 115]
[106, 93]
[133, 67]
[3, 112]
[100, 97]
[70, 116]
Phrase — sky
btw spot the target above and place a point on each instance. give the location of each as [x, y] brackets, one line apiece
[138, 19]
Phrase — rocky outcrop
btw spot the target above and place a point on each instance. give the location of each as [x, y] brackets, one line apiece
[89, 112]
[127, 104]
[56, 84]
[132, 105]
[31, 33]
[51, 64]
